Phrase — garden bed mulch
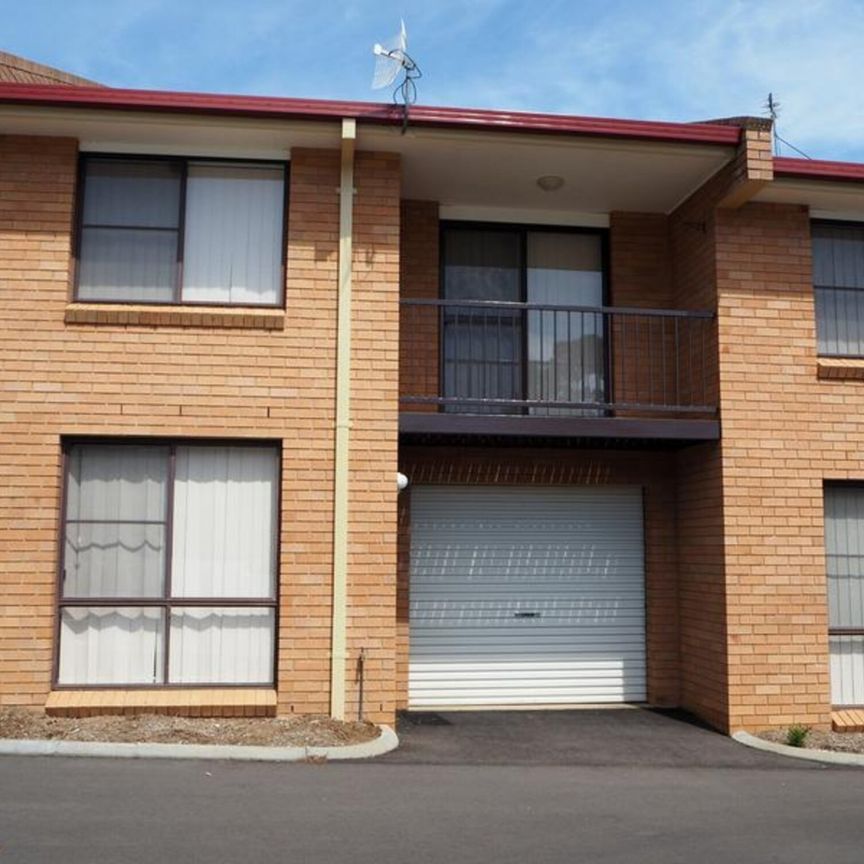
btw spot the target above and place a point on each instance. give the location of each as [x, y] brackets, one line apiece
[839, 742]
[295, 731]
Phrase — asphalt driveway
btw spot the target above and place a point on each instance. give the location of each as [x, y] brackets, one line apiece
[625, 737]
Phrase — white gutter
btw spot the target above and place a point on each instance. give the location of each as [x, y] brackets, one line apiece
[338, 652]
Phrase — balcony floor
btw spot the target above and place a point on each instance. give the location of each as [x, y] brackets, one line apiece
[422, 425]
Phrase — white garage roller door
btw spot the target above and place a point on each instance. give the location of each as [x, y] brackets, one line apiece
[526, 596]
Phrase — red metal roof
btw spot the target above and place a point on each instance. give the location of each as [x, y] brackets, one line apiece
[366, 112]
[818, 169]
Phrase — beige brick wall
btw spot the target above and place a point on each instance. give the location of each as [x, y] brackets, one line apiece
[784, 432]
[189, 374]
[736, 590]
[374, 436]
[702, 597]
[751, 544]
[701, 584]
[645, 367]
[639, 265]
[419, 345]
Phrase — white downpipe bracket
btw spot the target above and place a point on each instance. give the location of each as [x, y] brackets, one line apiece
[338, 652]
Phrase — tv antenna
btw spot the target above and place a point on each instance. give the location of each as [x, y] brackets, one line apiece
[772, 108]
[392, 60]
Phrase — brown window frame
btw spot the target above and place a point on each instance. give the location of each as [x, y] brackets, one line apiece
[182, 163]
[521, 230]
[819, 289]
[858, 486]
[165, 602]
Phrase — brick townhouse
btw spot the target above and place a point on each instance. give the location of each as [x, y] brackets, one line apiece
[619, 364]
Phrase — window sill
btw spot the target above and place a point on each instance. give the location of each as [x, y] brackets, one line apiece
[840, 368]
[125, 315]
[209, 702]
[847, 720]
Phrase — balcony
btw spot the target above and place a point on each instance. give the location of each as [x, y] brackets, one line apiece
[486, 367]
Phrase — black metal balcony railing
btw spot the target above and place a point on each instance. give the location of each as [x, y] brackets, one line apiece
[497, 357]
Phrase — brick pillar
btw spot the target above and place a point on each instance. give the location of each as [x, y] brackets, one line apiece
[307, 419]
[37, 184]
[374, 437]
[639, 276]
[420, 342]
[784, 432]
[702, 635]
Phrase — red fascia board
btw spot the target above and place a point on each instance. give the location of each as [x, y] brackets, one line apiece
[364, 112]
[818, 169]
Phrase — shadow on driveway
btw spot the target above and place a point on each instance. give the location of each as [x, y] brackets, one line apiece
[623, 737]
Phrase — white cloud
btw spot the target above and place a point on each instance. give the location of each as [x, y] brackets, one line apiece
[702, 60]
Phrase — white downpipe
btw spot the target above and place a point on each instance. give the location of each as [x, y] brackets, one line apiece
[338, 650]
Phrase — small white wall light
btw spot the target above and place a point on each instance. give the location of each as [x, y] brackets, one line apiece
[401, 481]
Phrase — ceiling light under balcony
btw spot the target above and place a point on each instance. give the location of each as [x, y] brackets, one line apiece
[550, 182]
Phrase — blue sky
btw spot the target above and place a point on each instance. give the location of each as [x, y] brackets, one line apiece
[654, 59]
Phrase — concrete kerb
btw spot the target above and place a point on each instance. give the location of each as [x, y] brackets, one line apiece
[384, 743]
[829, 757]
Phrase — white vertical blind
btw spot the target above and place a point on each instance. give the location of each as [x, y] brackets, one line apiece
[844, 541]
[227, 646]
[838, 276]
[565, 349]
[111, 560]
[233, 234]
[130, 226]
[224, 546]
[142, 194]
[844, 546]
[127, 265]
[847, 670]
[225, 509]
[115, 522]
[119, 645]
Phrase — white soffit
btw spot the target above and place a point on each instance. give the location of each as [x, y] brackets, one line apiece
[171, 134]
[497, 171]
[826, 200]
[500, 169]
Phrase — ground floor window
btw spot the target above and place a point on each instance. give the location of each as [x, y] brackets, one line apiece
[168, 565]
[844, 544]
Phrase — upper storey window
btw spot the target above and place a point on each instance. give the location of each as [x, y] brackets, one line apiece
[181, 231]
[838, 279]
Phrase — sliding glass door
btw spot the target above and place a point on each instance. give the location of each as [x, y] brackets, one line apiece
[548, 347]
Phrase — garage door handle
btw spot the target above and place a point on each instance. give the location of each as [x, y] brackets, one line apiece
[527, 614]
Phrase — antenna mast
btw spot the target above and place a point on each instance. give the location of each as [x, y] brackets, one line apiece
[392, 60]
[772, 107]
